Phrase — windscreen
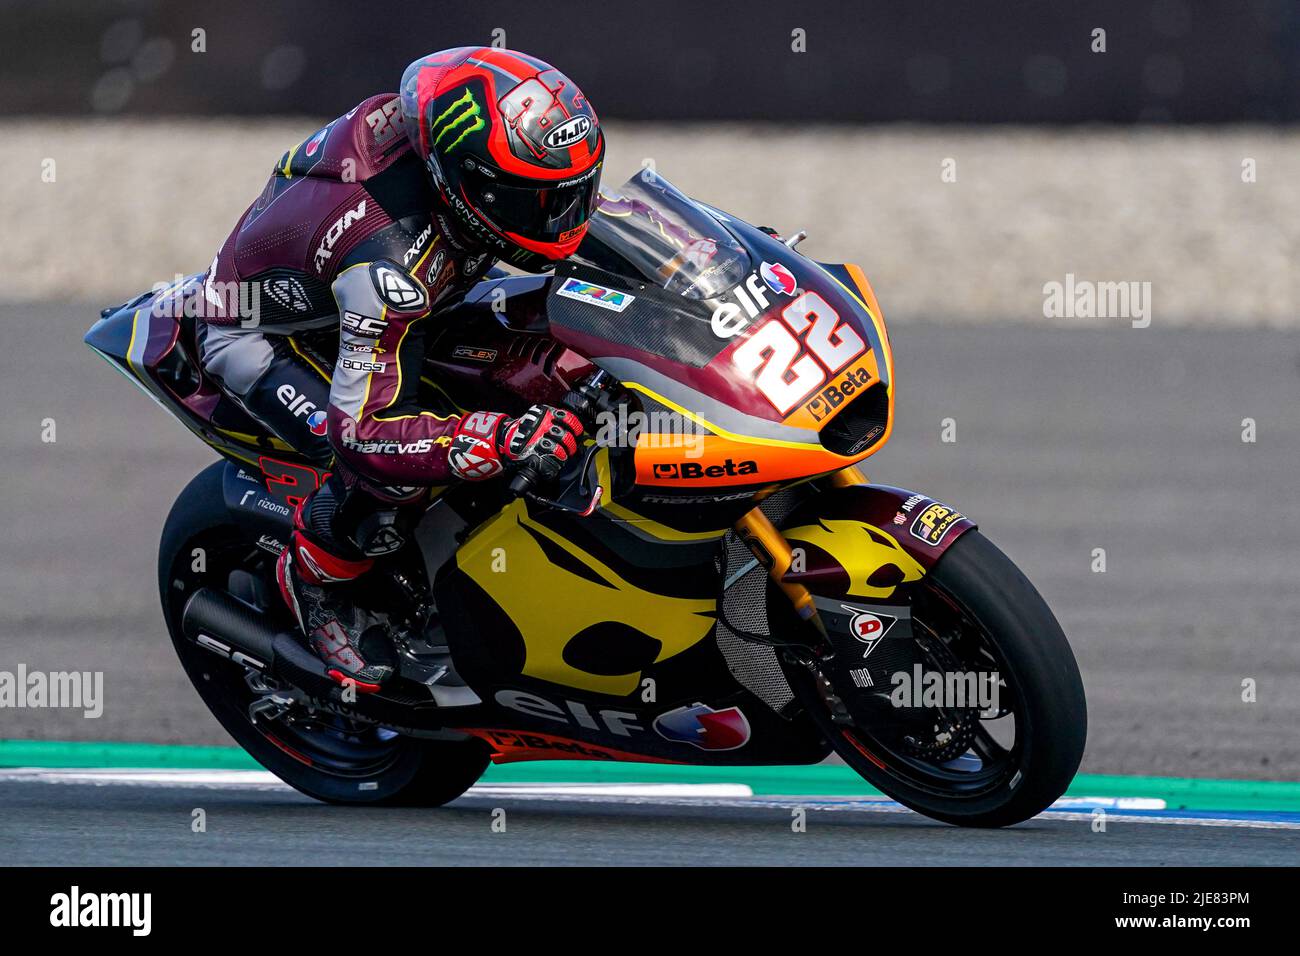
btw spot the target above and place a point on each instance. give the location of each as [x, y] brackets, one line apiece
[648, 229]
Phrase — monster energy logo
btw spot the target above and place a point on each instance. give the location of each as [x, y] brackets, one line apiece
[461, 120]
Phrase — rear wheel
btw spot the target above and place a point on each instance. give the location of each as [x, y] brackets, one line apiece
[974, 612]
[324, 755]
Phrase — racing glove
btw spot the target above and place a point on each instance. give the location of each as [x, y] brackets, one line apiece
[486, 443]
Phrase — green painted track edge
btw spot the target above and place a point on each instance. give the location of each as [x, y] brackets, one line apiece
[1179, 793]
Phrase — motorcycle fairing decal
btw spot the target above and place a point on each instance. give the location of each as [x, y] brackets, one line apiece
[683, 569]
[836, 394]
[875, 508]
[556, 610]
[512, 746]
[711, 414]
[866, 298]
[873, 560]
[663, 462]
[701, 726]
[659, 323]
[290, 482]
[638, 524]
[252, 505]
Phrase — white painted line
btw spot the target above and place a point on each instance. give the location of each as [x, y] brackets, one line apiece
[1109, 803]
[231, 779]
[721, 795]
[702, 790]
[263, 779]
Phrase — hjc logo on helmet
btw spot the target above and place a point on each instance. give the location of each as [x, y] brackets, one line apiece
[568, 133]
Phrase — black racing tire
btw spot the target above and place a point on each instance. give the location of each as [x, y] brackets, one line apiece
[987, 590]
[367, 768]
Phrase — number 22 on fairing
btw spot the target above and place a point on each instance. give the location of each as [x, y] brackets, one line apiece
[775, 358]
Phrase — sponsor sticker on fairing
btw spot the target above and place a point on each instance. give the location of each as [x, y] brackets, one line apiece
[867, 627]
[593, 294]
[933, 524]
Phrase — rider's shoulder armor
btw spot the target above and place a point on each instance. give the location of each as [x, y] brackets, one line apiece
[353, 191]
[356, 146]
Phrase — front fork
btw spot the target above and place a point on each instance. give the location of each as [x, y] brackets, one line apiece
[773, 551]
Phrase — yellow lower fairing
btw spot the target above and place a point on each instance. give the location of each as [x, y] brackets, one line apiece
[551, 605]
[861, 550]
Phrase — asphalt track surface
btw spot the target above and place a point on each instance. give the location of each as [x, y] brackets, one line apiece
[106, 823]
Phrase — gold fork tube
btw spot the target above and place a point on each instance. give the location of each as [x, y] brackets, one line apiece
[770, 547]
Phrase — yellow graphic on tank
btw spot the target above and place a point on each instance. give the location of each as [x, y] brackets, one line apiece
[861, 552]
[550, 605]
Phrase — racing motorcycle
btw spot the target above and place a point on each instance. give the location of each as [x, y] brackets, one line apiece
[712, 581]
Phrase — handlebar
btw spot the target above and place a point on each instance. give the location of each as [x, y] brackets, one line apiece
[523, 480]
[585, 400]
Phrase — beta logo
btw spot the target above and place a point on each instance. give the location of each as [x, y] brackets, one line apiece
[833, 396]
[694, 470]
[868, 628]
[589, 292]
[701, 726]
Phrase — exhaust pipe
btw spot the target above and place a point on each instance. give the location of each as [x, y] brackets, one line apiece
[230, 627]
[235, 629]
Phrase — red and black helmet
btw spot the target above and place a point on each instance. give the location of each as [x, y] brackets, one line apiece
[513, 146]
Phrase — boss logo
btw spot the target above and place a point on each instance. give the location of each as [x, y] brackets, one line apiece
[359, 366]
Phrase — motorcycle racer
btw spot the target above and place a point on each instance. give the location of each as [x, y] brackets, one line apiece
[376, 225]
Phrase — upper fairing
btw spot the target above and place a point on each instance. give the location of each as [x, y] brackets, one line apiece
[759, 348]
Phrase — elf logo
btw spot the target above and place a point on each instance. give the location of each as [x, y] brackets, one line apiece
[295, 401]
[620, 722]
[694, 470]
[727, 321]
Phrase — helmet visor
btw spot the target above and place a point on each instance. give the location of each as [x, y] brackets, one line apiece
[541, 212]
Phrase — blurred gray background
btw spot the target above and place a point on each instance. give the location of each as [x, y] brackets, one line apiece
[1168, 159]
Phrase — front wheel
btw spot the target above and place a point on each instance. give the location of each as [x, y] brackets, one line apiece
[975, 612]
[322, 754]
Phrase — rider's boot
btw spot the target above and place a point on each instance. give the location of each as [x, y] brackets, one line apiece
[316, 582]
